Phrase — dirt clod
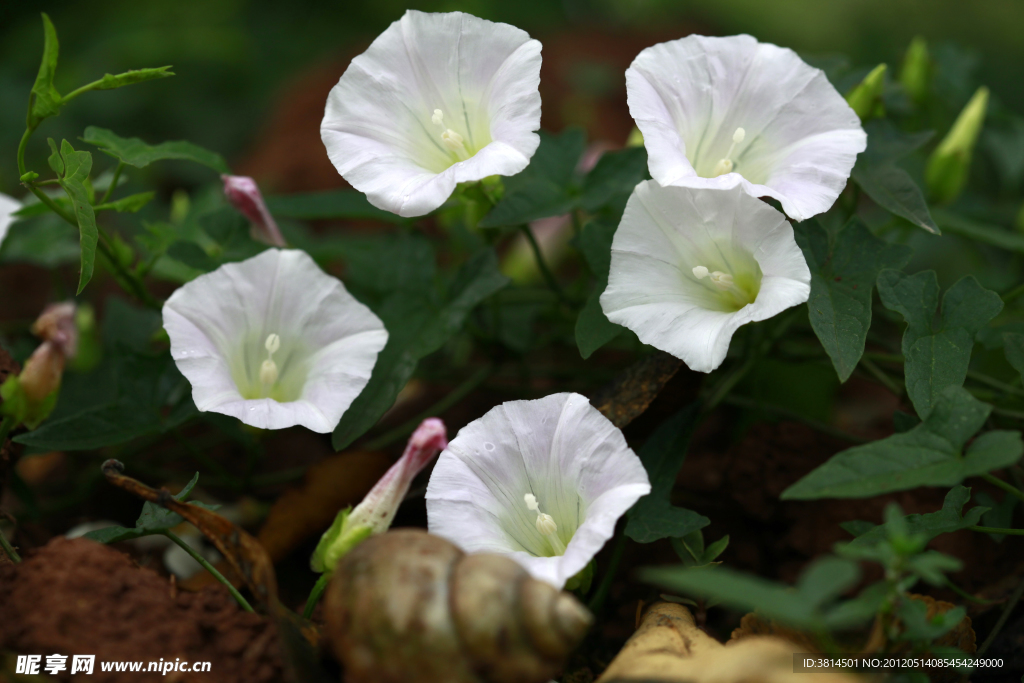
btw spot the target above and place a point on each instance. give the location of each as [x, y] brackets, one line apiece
[79, 597]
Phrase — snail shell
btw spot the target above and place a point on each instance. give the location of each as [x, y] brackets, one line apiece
[410, 607]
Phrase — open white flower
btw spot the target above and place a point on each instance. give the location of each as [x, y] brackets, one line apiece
[273, 341]
[540, 481]
[689, 267]
[722, 112]
[437, 99]
[8, 205]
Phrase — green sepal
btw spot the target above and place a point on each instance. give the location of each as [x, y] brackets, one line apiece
[950, 163]
[24, 410]
[336, 542]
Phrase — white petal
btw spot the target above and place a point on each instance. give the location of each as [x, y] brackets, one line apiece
[689, 96]
[218, 324]
[560, 449]
[8, 205]
[483, 75]
[667, 231]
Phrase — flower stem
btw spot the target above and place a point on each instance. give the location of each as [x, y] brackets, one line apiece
[995, 530]
[880, 375]
[967, 596]
[451, 399]
[549, 277]
[314, 595]
[9, 549]
[242, 602]
[113, 183]
[601, 594]
[1009, 488]
[1003, 618]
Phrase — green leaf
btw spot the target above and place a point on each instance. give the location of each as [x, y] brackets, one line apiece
[593, 329]
[802, 606]
[416, 328]
[936, 356]
[135, 152]
[153, 520]
[843, 273]
[930, 525]
[332, 204]
[192, 255]
[132, 203]
[544, 188]
[930, 454]
[75, 169]
[614, 177]
[887, 184]
[654, 517]
[917, 626]
[131, 77]
[45, 101]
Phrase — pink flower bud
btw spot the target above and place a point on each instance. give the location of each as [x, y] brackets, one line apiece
[56, 324]
[42, 372]
[378, 508]
[244, 195]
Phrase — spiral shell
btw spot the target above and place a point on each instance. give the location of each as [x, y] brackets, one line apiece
[409, 606]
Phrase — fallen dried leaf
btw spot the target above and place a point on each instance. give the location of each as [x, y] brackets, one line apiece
[330, 485]
[631, 392]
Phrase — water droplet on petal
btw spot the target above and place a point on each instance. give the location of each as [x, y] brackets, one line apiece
[488, 446]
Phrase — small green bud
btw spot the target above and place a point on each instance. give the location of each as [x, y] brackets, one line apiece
[866, 97]
[635, 139]
[29, 177]
[950, 163]
[915, 74]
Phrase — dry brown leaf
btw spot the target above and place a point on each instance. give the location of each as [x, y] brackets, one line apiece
[669, 647]
[330, 485]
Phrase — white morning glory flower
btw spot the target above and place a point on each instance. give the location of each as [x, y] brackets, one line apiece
[8, 205]
[542, 482]
[273, 341]
[437, 99]
[726, 112]
[689, 267]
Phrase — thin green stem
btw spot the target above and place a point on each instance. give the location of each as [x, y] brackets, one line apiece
[995, 383]
[22, 146]
[113, 183]
[9, 549]
[450, 399]
[996, 530]
[967, 596]
[1009, 488]
[52, 205]
[726, 385]
[1013, 294]
[743, 402]
[880, 375]
[601, 594]
[549, 277]
[242, 602]
[1003, 618]
[1012, 414]
[314, 595]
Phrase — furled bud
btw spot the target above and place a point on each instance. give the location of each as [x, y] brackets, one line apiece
[31, 396]
[377, 510]
[915, 74]
[245, 196]
[950, 163]
[866, 98]
[56, 324]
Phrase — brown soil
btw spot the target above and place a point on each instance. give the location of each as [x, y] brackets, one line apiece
[80, 597]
